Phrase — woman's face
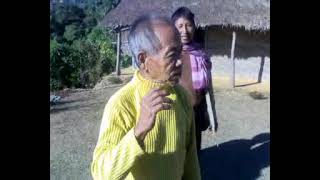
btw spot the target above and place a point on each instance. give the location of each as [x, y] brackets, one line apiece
[186, 29]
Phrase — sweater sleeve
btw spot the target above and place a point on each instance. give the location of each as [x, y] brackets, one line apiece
[191, 168]
[117, 148]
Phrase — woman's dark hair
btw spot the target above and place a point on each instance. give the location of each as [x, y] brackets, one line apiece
[186, 13]
[183, 12]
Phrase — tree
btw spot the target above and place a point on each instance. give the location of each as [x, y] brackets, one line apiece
[102, 39]
[88, 62]
[100, 8]
[69, 14]
[73, 32]
[56, 29]
[90, 21]
[59, 68]
[80, 51]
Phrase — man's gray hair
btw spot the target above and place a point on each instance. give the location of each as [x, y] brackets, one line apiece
[142, 37]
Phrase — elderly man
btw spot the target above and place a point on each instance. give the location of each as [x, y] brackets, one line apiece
[147, 130]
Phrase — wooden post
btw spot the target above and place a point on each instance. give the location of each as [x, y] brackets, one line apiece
[118, 53]
[209, 94]
[206, 31]
[210, 107]
[261, 70]
[233, 76]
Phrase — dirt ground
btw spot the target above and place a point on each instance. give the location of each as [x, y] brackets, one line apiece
[238, 150]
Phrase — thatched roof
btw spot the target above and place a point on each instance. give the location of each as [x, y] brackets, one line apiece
[250, 14]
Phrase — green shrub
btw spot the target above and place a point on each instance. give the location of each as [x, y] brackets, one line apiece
[80, 51]
[126, 61]
[115, 80]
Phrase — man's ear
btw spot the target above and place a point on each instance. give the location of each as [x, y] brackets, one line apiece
[142, 59]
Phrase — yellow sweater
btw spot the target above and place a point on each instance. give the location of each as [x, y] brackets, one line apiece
[169, 149]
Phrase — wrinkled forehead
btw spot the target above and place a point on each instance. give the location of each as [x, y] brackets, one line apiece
[166, 33]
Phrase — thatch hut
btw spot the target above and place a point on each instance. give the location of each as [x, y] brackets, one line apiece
[234, 33]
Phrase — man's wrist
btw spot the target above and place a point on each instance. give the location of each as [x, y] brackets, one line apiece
[140, 135]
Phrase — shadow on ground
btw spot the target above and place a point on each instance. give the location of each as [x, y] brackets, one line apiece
[70, 105]
[241, 159]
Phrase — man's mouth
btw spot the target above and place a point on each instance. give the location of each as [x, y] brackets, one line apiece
[184, 38]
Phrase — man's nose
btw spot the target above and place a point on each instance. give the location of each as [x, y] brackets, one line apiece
[184, 29]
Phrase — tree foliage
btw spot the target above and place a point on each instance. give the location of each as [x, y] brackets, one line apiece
[81, 51]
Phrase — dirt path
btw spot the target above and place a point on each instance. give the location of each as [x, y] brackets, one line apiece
[229, 154]
[74, 127]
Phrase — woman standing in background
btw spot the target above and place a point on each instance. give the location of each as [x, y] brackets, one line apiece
[196, 76]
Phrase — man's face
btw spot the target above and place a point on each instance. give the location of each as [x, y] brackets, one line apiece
[162, 65]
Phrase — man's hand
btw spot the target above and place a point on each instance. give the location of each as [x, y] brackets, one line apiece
[176, 73]
[171, 73]
[151, 104]
[172, 55]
